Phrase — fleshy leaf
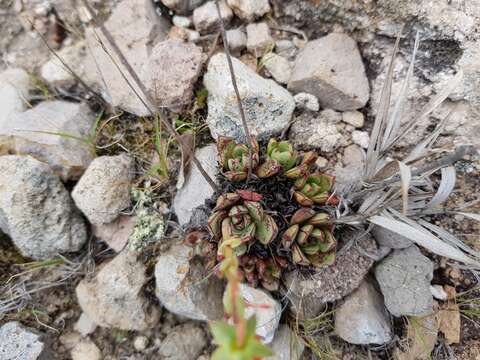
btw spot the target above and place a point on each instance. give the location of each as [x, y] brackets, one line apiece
[267, 230]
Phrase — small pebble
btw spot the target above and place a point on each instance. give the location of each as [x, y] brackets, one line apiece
[354, 118]
[181, 21]
[307, 101]
[361, 138]
[321, 162]
[438, 292]
[140, 343]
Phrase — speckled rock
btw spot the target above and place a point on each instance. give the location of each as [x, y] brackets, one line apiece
[286, 345]
[184, 342]
[307, 102]
[249, 10]
[86, 350]
[15, 85]
[237, 40]
[55, 73]
[390, 239]
[20, 343]
[278, 67]
[205, 17]
[259, 39]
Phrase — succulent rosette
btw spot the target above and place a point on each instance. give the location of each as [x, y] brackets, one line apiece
[310, 238]
[235, 158]
[239, 219]
[266, 271]
[313, 189]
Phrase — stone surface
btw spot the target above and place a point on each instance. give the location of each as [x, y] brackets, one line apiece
[362, 318]
[351, 173]
[278, 67]
[268, 106]
[115, 233]
[266, 309]
[86, 350]
[140, 343]
[390, 239]
[85, 325]
[307, 101]
[55, 73]
[331, 68]
[438, 292]
[286, 48]
[249, 10]
[183, 288]
[183, 342]
[114, 297]
[196, 189]
[404, 278]
[422, 334]
[181, 21]
[259, 40]
[51, 132]
[103, 190]
[21, 343]
[286, 345]
[319, 132]
[205, 17]
[15, 85]
[171, 73]
[354, 118]
[182, 6]
[361, 138]
[237, 40]
[36, 211]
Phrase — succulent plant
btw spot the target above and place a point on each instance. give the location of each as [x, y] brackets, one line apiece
[310, 238]
[235, 158]
[265, 271]
[239, 219]
[313, 189]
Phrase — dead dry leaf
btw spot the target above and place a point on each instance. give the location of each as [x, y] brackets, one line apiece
[422, 333]
[449, 322]
[186, 148]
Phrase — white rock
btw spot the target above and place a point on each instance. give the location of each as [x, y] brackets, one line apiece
[86, 350]
[15, 85]
[321, 162]
[267, 105]
[183, 289]
[354, 118]
[103, 190]
[34, 132]
[54, 72]
[196, 189]
[140, 343]
[354, 156]
[205, 17]
[84, 325]
[362, 319]
[259, 40]
[182, 21]
[114, 297]
[307, 101]
[20, 343]
[266, 309]
[286, 345]
[36, 211]
[249, 10]
[278, 67]
[237, 40]
[184, 342]
[115, 233]
[331, 68]
[286, 48]
[361, 138]
[438, 292]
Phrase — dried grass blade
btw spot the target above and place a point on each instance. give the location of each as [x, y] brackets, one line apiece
[405, 178]
[447, 184]
[472, 216]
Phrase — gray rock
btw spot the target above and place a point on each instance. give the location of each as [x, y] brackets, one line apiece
[36, 210]
[115, 233]
[286, 345]
[182, 6]
[249, 10]
[205, 17]
[181, 21]
[354, 156]
[266, 309]
[171, 73]
[84, 325]
[350, 175]
[184, 289]
[184, 342]
[103, 190]
[307, 102]
[362, 318]
[267, 105]
[114, 296]
[404, 278]
[319, 132]
[14, 87]
[49, 132]
[286, 48]
[331, 68]
[140, 343]
[390, 239]
[196, 189]
[354, 118]
[278, 67]
[237, 40]
[259, 40]
[20, 343]
[361, 138]
[55, 73]
[86, 350]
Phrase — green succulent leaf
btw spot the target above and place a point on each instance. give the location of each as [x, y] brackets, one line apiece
[267, 230]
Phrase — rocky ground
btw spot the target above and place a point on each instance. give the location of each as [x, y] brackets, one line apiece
[96, 195]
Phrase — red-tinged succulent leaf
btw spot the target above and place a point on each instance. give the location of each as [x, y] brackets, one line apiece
[310, 189]
[318, 234]
[302, 215]
[319, 219]
[325, 181]
[311, 248]
[267, 230]
[255, 210]
[289, 236]
[322, 260]
[309, 158]
[332, 200]
[237, 211]
[304, 234]
[302, 199]
[225, 146]
[227, 200]
[214, 223]
[300, 182]
[235, 176]
[298, 257]
[320, 199]
[272, 145]
[270, 283]
[297, 172]
[249, 195]
[329, 242]
[268, 169]
[194, 237]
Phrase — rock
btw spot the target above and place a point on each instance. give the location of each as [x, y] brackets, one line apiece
[354, 118]
[116, 233]
[318, 132]
[15, 85]
[84, 325]
[266, 310]
[350, 175]
[140, 343]
[337, 281]
[278, 67]
[362, 319]
[103, 190]
[182, 21]
[49, 132]
[286, 345]
[55, 73]
[321, 162]
[331, 68]
[171, 73]
[404, 278]
[114, 297]
[205, 17]
[136, 29]
[259, 40]
[182, 6]
[196, 189]
[268, 106]
[354, 156]
[237, 40]
[36, 211]
[86, 350]
[449, 322]
[183, 288]
[249, 10]
[307, 101]
[390, 239]
[286, 48]
[21, 343]
[438, 292]
[422, 333]
[183, 342]
[361, 138]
